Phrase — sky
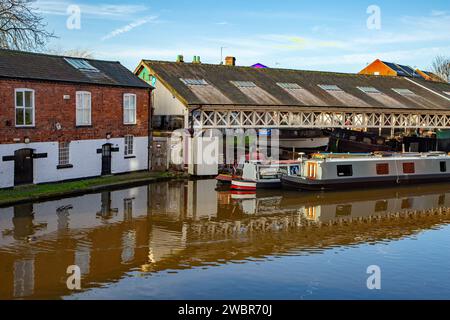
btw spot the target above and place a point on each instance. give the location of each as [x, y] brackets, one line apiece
[340, 36]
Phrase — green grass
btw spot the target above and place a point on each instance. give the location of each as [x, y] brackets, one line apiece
[36, 192]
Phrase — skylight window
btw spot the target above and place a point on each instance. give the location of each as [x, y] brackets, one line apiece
[330, 87]
[369, 89]
[404, 92]
[194, 82]
[244, 84]
[289, 86]
[81, 64]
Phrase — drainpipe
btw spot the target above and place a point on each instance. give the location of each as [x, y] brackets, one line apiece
[150, 128]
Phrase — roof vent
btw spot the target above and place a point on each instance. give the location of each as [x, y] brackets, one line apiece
[230, 61]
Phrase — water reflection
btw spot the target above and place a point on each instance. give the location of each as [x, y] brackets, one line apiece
[179, 225]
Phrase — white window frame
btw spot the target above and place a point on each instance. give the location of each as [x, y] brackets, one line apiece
[127, 108]
[33, 108]
[67, 150]
[82, 108]
[126, 148]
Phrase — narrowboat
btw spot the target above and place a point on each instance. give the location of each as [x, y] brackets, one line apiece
[342, 140]
[339, 171]
[256, 175]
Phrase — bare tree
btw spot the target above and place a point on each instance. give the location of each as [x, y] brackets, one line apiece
[21, 26]
[75, 53]
[441, 67]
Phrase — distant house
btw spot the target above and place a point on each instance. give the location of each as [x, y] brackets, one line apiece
[65, 118]
[383, 68]
[259, 66]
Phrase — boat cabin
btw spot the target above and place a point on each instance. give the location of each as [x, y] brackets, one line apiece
[329, 171]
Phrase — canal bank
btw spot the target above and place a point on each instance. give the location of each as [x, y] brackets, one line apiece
[41, 192]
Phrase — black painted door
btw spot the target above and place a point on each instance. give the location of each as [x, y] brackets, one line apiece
[23, 167]
[106, 159]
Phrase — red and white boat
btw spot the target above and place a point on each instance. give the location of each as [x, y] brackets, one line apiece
[243, 185]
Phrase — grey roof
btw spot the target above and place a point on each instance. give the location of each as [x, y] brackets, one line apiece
[282, 87]
[36, 66]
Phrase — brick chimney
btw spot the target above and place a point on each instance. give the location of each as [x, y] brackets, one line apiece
[230, 61]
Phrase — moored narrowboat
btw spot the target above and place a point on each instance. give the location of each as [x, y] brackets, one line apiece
[339, 171]
[259, 175]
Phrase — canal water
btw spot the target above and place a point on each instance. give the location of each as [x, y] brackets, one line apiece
[189, 240]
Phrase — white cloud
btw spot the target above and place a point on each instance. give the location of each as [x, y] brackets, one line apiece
[52, 7]
[129, 27]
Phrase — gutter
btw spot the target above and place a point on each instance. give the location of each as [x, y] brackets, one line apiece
[150, 129]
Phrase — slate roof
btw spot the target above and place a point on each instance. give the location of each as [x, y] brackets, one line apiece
[35, 66]
[305, 91]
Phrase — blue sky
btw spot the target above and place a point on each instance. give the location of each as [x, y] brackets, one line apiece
[299, 34]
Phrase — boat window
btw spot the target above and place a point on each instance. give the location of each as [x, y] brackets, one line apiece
[382, 168]
[409, 168]
[381, 206]
[352, 138]
[345, 171]
[312, 170]
[295, 170]
[441, 200]
[367, 140]
[343, 210]
[443, 166]
[406, 204]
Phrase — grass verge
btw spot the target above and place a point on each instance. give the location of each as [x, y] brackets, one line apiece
[55, 190]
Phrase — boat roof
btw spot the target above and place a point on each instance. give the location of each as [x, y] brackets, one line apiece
[340, 157]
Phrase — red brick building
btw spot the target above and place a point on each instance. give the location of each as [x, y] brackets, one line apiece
[67, 118]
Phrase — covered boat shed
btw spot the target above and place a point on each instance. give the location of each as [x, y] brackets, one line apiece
[229, 97]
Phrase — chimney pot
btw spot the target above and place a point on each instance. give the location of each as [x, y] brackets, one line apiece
[180, 58]
[230, 61]
[196, 60]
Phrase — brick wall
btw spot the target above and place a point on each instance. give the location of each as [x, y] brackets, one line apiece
[51, 108]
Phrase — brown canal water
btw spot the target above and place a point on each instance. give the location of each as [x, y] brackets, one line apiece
[186, 240]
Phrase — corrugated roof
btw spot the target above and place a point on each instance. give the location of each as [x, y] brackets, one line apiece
[35, 66]
[221, 78]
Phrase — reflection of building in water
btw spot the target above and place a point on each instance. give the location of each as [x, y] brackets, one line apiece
[176, 231]
[23, 278]
[107, 212]
[202, 199]
[184, 200]
[83, 257]
[63, 217]
[23, 223]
